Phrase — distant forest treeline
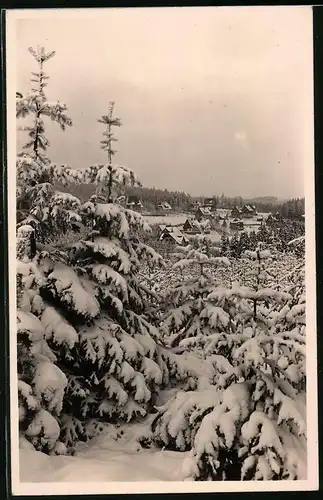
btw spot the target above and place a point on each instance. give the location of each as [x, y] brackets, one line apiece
[182, 202]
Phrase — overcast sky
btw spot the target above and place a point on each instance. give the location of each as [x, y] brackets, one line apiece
[212, 100]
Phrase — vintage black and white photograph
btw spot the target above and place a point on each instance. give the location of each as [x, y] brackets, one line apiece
[162, 262]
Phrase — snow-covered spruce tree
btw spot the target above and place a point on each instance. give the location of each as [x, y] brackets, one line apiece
[188, 315]
[116, 367]
[249, 423]
[111, 178]
[41, 213]
[38, 204]
[225, 245]
[41, 384]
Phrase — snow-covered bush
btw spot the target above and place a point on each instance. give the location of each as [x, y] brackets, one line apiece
[248, 419]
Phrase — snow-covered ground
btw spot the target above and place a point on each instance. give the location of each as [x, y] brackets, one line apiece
[108, 457]
[101, 465]
[167, 220]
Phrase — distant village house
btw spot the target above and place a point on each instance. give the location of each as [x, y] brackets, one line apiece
[172, 234]
[163, 206]
[203, 213]
[194, 206]
[236, 212]
[134, 203]
[191, 226]
[248, 211]
[210, 203]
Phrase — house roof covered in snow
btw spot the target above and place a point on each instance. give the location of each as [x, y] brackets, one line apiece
[164, 204]
[180, 239]
[134, 200]
[248, 208]
[204, 210]
[191, 223]
[209, 202]
[175, 234]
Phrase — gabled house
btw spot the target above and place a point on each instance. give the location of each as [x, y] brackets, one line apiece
[203, 213]
[248, 211]
[174, 235]
[163, 206]
[210, 203]
[194, 206]
[236, 212]
[134, 203]
[191, 226]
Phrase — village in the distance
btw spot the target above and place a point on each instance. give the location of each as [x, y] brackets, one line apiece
[176, 217]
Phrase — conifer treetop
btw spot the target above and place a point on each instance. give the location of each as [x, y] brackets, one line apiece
[109, 178]
[36, 103]
[42, 207]
[110, 121]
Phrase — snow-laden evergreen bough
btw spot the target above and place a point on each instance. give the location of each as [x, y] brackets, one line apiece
[39, 204]
[247, 420]
[41, 383]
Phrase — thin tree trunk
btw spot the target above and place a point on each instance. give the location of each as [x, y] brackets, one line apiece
[110, 165]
